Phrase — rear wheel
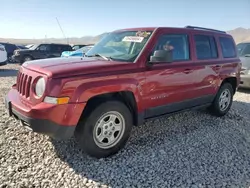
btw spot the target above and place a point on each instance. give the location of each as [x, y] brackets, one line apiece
[223, 100]
[106, 129]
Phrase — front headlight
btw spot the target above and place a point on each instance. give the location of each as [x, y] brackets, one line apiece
[40, 87]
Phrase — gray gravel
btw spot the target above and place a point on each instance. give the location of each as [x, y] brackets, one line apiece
[192, 149]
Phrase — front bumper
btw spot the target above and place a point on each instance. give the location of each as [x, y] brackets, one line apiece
[56, 121]
[41, 125]
[244, 81]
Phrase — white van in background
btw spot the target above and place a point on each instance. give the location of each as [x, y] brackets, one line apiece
[3, 55]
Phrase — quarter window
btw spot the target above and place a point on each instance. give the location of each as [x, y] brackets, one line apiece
[178, 43]
[205, 47]
[227, 47]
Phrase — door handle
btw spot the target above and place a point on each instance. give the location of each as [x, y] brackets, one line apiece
[187, 71]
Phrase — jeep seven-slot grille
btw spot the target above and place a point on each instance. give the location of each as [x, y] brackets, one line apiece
[23, 84]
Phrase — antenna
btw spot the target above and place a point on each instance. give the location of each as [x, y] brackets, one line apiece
[62, 31]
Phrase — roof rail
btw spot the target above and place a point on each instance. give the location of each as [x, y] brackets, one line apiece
[203, 28]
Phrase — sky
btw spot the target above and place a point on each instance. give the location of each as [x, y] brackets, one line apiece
[36, 19]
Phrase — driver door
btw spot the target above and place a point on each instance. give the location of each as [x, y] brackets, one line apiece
[169, 86]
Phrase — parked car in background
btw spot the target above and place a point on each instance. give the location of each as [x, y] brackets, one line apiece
[80, 52]
[21, 47]
[244, 53]
[40, 51]
[29, 45]
[243, 49]
[10, 48]
[130, 76]
[3, 55]
[78, 46]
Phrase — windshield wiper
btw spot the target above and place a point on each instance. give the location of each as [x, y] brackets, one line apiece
[99, 55]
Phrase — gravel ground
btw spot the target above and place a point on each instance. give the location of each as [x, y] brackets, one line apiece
[192, 149]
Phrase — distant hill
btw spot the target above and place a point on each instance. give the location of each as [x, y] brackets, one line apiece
[240, 35]
[73, 40]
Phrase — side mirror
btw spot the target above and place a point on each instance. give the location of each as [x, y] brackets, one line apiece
[161, 56]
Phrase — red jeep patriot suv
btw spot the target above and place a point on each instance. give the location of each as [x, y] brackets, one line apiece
[129, 76]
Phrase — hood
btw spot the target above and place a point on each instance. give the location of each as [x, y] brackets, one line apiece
[24, 50]
[71, 66]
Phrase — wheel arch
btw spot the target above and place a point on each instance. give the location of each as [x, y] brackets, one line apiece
[127, 97]
[232, 81]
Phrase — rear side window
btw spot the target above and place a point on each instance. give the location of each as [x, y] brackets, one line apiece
[227, 47]
[205, 47]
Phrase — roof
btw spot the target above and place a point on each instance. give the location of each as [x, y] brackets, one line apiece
[184, 28]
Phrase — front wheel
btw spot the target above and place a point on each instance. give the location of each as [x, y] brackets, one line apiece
[106, 130]
[223, 100]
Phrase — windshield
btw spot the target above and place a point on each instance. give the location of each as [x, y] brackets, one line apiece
[84, 49]
[29, 46]
[240, 48]
[121, 46]
[34, 46]
[76, 48]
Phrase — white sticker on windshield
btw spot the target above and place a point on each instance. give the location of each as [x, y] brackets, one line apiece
[133, 39]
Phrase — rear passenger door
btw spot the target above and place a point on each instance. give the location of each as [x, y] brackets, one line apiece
[207, 57]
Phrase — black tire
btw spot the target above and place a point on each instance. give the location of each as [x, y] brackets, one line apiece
[215, 109]
[85, 131]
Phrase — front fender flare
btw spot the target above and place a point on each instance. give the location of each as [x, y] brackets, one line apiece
[88, 90]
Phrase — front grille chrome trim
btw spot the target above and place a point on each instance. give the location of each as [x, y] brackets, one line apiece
[24, 84]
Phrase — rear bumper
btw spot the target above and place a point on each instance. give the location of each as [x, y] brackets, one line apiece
[56, 121]
[245, 81]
